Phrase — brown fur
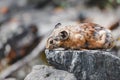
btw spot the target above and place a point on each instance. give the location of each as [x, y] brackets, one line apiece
[81, 36]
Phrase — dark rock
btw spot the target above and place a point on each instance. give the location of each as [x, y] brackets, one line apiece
[86, 65]
[42, 72]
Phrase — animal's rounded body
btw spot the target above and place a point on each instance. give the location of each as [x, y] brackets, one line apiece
[80, 36]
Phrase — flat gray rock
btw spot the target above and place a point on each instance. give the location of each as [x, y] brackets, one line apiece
[42, 72]
[86, 65]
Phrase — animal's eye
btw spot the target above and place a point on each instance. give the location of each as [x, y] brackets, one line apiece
[64, 35]
[51, 41]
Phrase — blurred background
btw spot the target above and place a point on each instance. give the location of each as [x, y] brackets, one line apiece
[26, 24]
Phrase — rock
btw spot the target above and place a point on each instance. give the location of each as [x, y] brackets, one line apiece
[87, 64]
[10, 79]
[42, 72]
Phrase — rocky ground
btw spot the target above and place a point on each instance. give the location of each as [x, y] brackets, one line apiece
[77, 65]
[25, 23]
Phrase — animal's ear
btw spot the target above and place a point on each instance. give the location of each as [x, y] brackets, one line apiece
[57, 25]
[63, 35]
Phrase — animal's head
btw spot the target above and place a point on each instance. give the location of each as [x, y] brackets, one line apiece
[59, 35]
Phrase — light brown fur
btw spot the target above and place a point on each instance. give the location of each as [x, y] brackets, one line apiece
[81, 36]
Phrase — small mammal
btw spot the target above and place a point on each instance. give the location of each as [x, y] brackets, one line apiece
[80, 36]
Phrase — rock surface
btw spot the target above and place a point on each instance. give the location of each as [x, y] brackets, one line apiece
[42, 72]
[86, 65]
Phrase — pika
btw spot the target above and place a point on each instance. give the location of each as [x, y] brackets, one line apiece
[80, 36]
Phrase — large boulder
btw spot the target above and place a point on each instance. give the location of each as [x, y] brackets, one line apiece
[42, 72]
[87, 64]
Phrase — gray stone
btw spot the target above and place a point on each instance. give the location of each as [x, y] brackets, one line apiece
[10, 79]
[87, 64]
[42, 72]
